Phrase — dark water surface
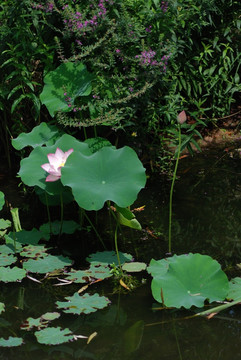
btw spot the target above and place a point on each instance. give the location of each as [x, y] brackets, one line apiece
[206, 219]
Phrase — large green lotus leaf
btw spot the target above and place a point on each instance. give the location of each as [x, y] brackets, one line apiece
[11, 341]
[234, 292]
[70, 78]
[108, 257]
[14, 274]
[108, 174]
[84, 304]
[158, 268]
[189, 281]
[47, 264]
[54, 336]
[41, 134]
[7, 259]
[94, 272]
[2, 201]
[31, 172]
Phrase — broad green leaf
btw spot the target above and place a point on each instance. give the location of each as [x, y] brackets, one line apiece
[54, 336]
[47, 264]
[41, 134]
[14, 274]
[26, 237]
[2, 201]
[84, 304]
[7, 249]
[4, 224]
[7, 259]
[108, 258]
[158, 268]
[54, 200]
[189, 281]
[31, 172]
[94, 272]
[2, 307]
[234, 292]
[34, 251]
[68, 227]
[11, 341]
[69, 78]
[108, 174]
[134, 266]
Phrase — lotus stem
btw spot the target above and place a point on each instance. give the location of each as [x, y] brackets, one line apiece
[171, 191]
[61, 213]
[96, 232]
[48, 212]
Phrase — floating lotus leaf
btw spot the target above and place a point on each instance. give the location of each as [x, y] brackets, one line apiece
[14, 274]
[41, 322]
[84, 304]
[234, 289]
[47, 264]
[41, 134]
[190, 280]
[7, 259]
[134, 266]
[4, 224]
[97, 143]
[31, 172]
[2, 307]
[34, 251]
[11, 341]
[94, 272]
[158, 268]
[108, 174]
[71, 78]
[54, 336]
[7, 249]
[108, 258]
[16, 246]
[2, 201]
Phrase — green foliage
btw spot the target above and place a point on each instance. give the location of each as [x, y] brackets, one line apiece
[93, 272]
[188, 280]
[108, 258]
[84, 304]
[14, 274]
[11, 342]
[2, 201]
[46, 264]
[41, 322]
[54, 336]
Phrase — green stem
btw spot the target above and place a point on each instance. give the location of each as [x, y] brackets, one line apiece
[61, 213]
[171, 191]
[48, 212]
[96, 232]
[116, 240]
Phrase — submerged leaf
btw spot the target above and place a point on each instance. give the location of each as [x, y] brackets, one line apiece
[84, 304]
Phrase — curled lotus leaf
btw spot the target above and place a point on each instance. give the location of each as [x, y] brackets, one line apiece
[31, 171]
[84, 304]
[108, 174]
[189, 281]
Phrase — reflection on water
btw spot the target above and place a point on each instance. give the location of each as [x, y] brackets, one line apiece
[206, 219]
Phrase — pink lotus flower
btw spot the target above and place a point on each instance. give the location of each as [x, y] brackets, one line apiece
[56, 161]
[182, 117]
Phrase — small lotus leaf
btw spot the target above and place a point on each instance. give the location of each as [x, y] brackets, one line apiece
[7, 259]
[34, 251]
[7, 249]
[2, 201]
[134, 266]
[47, 264]
[11, 341]
[108, 258]
[40, 135]
[94, 272]
[54, 336]
[14, 274]
[84, 304]
[2, 307]
[68, 227]
[71, 78]
[4, 224]
[190, 280]
[108, 174]
[97, 143]
[31, 172]
[234, 289]
[41, 322]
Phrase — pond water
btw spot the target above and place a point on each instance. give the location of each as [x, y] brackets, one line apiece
[206, 219]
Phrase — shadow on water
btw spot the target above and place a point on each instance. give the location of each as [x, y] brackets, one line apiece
[206, 219]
